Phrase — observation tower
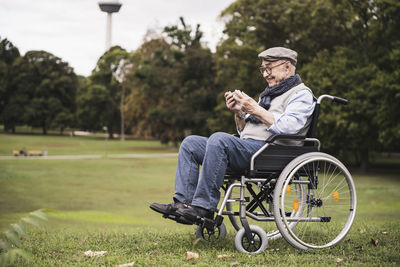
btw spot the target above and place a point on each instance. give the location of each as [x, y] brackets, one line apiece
[109, 7]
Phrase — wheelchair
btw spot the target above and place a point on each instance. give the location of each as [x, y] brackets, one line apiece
[310, 195]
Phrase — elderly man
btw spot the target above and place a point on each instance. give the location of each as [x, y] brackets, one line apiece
[284, 107]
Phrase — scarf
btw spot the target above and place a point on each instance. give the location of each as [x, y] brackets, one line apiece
[271, 92]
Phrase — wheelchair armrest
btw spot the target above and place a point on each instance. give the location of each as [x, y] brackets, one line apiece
[274, 137]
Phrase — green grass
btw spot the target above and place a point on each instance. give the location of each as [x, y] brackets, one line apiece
[102, 205]
[76, 187]
[78, 145]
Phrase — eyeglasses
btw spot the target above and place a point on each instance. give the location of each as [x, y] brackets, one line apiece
[269, 69]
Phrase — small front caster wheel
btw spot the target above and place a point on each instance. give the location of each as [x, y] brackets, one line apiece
[218, 233]
[260, 240]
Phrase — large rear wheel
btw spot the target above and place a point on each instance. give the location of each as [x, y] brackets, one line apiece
[329, 205]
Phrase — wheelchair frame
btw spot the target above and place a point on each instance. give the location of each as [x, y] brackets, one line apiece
[275, 169]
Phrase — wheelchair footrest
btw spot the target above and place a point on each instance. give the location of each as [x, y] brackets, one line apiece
[169, 216]
[218, 220]
[209, 225]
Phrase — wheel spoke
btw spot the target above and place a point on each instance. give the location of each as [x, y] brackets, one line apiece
[330, 194]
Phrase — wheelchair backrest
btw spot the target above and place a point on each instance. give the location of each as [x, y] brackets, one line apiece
[275, 157]
[313, 126]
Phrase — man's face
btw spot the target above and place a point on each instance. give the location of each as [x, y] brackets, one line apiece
[274, 72]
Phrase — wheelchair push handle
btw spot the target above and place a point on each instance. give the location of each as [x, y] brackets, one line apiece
[335, 99]
[340, 100]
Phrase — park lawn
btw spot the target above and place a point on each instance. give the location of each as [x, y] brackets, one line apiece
[102, 205]
[88, 189]
[78, 145]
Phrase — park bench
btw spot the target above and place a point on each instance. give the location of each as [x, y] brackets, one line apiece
[35, 153]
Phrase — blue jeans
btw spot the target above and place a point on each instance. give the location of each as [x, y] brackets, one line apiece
[216, 154]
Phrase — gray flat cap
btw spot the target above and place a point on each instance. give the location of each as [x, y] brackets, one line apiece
[278, 53]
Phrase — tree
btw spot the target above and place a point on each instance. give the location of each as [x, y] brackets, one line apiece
[346, 47]
[99, 97]
[387, 117]
[172, 85]
[236, 68]
[366, 74]
[8, 52]
[345, 129]
[253, 26]
[196, 78]
[150, 106]
[44, 90]
[9, 109]
[305, 26]
[91, 100]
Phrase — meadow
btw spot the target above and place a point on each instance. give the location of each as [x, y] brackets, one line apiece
[103, 205]
[78, 145]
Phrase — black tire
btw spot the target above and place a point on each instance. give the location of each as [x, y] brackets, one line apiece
[272, 232]
[218, 234]
[333, 197]
[242, 243]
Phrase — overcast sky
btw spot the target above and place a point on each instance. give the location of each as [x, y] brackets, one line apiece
[74, 30]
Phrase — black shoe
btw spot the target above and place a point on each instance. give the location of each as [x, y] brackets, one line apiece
[169, 211]
[194, 214]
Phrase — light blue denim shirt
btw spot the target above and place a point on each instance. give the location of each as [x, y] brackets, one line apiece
[300, 107]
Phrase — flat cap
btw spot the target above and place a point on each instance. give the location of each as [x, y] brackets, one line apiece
[278, 53]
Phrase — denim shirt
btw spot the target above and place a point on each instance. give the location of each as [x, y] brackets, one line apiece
[300, 107]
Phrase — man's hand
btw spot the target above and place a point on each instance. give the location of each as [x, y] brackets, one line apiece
[250, 106]
[232, 105]
[245, 102]
[230, 102]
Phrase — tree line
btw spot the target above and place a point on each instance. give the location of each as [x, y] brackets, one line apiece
[173, 85]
